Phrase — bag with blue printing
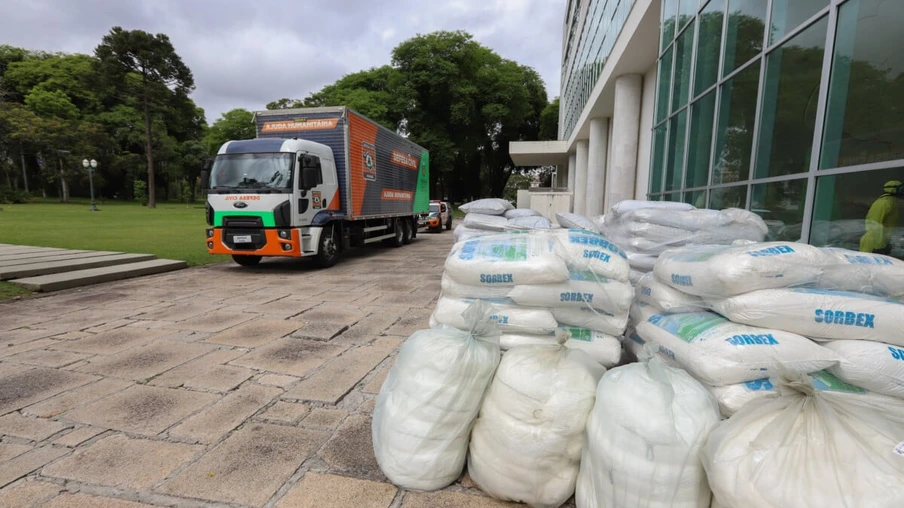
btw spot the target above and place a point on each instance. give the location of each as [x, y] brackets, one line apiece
[507, 316]
[818, 313]
[733, 397]
[721, 271]
[719, 352]
[670, 300]
[808, 448]
[589, 251]
[876, 366]
[583, 289]
[506, 259]
[863, 272]
[592, 319]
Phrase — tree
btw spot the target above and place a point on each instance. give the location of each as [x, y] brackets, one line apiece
[285, 103]
[148, 67]
[235, 124]
[549, 122]
[371, 93]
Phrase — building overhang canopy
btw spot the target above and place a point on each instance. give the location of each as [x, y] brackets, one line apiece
[539, 153]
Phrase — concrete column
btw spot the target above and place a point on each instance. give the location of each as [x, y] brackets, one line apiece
[580, 177]
[625, 134]
[572, 171]
[596, 166]
[561, 176]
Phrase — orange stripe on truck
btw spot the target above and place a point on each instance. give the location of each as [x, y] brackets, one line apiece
[362, 140]
[272, 248]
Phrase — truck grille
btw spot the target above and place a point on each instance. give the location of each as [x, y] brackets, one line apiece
[244, 226]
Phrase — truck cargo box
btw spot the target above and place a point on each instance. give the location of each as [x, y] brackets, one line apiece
[380, 173]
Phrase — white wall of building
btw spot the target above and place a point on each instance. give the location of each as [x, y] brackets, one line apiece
[645, 144]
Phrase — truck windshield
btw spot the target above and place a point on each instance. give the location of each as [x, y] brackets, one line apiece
[252, 171]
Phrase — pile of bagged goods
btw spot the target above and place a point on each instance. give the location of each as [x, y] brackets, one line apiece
[767, 374]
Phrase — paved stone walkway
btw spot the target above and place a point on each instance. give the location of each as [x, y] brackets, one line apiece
[214, 386]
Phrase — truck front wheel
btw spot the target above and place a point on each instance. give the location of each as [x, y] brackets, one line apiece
[246, 260]
[328, 252]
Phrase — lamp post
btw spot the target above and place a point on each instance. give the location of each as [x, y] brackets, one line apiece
[91, 166]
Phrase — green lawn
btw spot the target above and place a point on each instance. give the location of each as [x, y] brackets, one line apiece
[171, 231]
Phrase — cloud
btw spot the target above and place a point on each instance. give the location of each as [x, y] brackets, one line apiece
[245, 54]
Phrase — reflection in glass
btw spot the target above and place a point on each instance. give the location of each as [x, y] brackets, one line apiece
[700, 141]
[696, 198]
[708, 46]
[865, 119]
[734, 141]
[728, 197]
[675, 165]
[681, 84]
[665, 82]
[790, 100]
[669, 8]
[659, 138]
[675, 196]
[744, 34]
[686, 11]
[781, 205]
[860, 211]
[788, 14]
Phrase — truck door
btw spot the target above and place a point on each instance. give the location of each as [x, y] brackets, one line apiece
[315, 194]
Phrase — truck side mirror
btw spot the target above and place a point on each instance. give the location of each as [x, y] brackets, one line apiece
[205, 180]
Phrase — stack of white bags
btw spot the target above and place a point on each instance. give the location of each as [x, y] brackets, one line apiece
[645, 229]
[493, 215]
[811, 375]
[540, 281]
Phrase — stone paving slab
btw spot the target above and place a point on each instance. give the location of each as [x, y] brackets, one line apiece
[167, 391]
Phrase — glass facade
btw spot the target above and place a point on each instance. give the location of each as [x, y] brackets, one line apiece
[793, 109]
[593, 28]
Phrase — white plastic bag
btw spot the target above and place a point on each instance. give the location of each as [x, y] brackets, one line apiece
[808, 448]
[628, 205]
[588, 251]
[526, 443]
[509, 317]
[485, 222]
[505, 260]
[427, 405]
[575, 221]
[463, 233]
[818, 313]
[644, 440]
[530, 222]
[687, 220]
[603, 348]
[591, 319]
[455, 289]
[876, 366]
[521, 212]
[487, 206]
[641, 262]
[733, 397]
[718, 271]
[719, 352]
[670, 300]
[862, 272]
[509, 340]
[583, 289]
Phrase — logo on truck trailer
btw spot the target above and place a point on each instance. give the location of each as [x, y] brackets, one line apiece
[370, 161]
[404, 160]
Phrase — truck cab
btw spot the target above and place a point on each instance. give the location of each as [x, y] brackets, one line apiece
[265, 193]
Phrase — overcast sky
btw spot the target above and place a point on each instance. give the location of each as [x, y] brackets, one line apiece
[245, 53]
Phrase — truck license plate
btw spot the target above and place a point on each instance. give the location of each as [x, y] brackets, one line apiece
[241, 238]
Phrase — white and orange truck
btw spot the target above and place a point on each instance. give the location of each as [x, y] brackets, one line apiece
[315, 182]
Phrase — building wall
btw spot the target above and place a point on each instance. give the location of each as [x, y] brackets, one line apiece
[802, 122]
[645, 143]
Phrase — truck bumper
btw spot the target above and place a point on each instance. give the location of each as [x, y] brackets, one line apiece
[276, 243]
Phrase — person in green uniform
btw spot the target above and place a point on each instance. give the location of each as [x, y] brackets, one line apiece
[881, 218]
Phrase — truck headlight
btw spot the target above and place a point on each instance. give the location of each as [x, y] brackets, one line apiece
[284, 234]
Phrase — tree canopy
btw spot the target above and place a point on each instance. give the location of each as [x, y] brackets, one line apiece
[453, 96]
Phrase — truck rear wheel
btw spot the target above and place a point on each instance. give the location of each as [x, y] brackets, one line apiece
[246, 260]
[399, 239]
[328, 251]
[407, 233]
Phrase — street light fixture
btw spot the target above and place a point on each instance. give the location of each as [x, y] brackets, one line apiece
[91, 166]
